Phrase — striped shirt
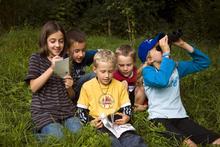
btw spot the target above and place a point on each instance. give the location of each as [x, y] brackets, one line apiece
[50, 103]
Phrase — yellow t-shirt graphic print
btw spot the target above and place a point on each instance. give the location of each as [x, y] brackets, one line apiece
[106, 101]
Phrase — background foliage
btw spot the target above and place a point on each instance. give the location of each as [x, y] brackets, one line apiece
[127, 19]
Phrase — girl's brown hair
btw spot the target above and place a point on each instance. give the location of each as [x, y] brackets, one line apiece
[49, 28]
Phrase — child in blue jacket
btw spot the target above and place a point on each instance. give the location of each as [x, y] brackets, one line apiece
[161, 76]
[81, 59]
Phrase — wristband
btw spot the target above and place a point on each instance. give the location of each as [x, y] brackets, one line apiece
[166, 54]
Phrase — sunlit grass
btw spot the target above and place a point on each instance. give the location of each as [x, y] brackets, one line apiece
[200, 93]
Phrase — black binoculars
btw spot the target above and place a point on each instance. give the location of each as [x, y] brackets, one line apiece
[172, 37]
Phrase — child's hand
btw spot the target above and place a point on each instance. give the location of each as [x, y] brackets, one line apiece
[68, 81]
[96, 123]
[163, 43]
[179, 42]
[125, 83]
[53, 60]
[125, 118]
[138, 107]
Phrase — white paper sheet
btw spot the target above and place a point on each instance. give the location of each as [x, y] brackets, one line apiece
[117, 130]
[62, 67]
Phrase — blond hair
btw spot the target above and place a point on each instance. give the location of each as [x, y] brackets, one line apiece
[104, 55]
[126, 50]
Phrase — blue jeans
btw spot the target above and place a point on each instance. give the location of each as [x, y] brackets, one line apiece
[128, 139]
[55, 129]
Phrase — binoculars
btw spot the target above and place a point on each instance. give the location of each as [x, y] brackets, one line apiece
[172, 36]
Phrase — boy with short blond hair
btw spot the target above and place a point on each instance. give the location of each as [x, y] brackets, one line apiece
[105, 95]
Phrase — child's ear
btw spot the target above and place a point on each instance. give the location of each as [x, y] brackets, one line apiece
[94, 69]
[150, 61]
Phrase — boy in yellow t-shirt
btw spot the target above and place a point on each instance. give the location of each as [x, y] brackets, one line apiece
[105, 95]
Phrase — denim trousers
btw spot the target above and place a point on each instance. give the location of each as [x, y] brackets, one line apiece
[55, 129]
[127, 139]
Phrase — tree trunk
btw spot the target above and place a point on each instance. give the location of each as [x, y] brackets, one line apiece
[109, 28]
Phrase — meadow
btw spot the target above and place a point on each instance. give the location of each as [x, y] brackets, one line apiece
[200, 94]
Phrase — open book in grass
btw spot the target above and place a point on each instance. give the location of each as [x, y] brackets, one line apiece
[117, 130]
[62, 67]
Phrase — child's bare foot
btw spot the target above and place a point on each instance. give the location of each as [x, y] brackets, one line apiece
[189, 143]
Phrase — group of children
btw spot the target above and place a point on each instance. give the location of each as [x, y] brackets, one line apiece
[112, 87]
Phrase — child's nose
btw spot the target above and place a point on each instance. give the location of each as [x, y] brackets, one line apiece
[107, 74]
[80, 54]
[125, 68]
[57, 44]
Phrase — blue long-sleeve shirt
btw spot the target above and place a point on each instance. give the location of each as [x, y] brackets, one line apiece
[162, 85]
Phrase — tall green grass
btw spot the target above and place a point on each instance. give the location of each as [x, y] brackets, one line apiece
[200, 92]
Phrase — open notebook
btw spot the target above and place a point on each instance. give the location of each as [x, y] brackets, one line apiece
[117, 130]
[62, 67]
